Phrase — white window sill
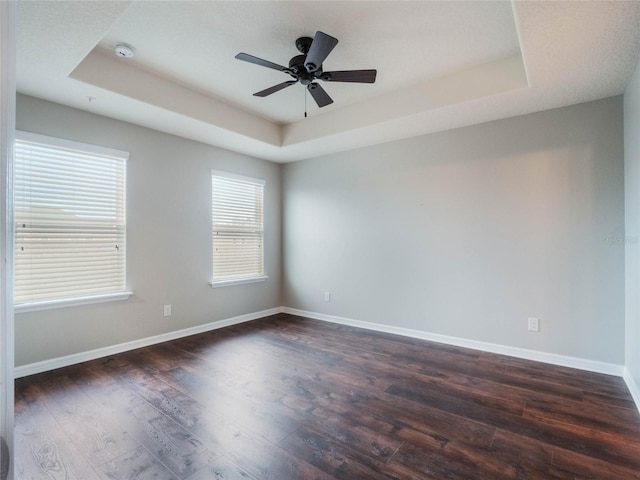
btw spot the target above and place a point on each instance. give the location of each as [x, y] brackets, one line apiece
[236, 281]
[70, 302]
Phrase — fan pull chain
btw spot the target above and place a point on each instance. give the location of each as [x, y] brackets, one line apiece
[305, 102]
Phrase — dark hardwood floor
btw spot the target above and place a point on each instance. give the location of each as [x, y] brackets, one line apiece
[290, 398]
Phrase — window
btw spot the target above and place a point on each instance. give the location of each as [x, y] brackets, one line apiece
[238, 236]
[70, 226]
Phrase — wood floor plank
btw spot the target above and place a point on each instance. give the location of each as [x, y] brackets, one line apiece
[290, 398]
[334, 456]
[179, 450]
[259, 457]
[181, 408]
[531, 459]
[617, 421]
[92, 431]
[580, 379]
[254, 414]
[453, 460]
[138, 464]
[580, 440]
[359, 437]
[582, 466]
[621, 404]
[222, 468]
[48, 452]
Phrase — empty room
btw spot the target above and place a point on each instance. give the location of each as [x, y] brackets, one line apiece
[320, 240]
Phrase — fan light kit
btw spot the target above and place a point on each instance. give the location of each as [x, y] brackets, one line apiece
[124, 50]
[307, 68]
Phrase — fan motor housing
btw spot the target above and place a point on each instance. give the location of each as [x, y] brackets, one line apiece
[299, 72]
[296, 64]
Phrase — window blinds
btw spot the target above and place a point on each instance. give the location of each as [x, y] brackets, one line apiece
[69, 219]
[237, 218]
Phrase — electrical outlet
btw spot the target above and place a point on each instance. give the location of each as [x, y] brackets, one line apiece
[167, 310]
[534, 324]
[327, 296]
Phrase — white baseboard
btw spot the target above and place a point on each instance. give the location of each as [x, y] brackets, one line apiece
[552, 358]
[633, 387]
[67, 360]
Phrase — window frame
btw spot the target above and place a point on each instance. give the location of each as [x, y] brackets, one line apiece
[223, 282]
[68, 301]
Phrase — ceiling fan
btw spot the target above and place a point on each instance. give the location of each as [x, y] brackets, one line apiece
[307, 68]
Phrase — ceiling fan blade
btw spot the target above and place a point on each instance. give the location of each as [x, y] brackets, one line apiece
[258, 61]
[320, 48]
[318, 93]
[356, 76]
[275, 88]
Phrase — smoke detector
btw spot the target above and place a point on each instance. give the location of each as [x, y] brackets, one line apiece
[125, 51]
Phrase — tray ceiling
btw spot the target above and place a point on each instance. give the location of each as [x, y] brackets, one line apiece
[440, 65]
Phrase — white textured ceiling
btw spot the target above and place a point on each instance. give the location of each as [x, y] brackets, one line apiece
[440, 65]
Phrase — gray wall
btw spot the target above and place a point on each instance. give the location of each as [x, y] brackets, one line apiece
[168, 238]
[632, 223]
[469, 232]
[464, 233]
